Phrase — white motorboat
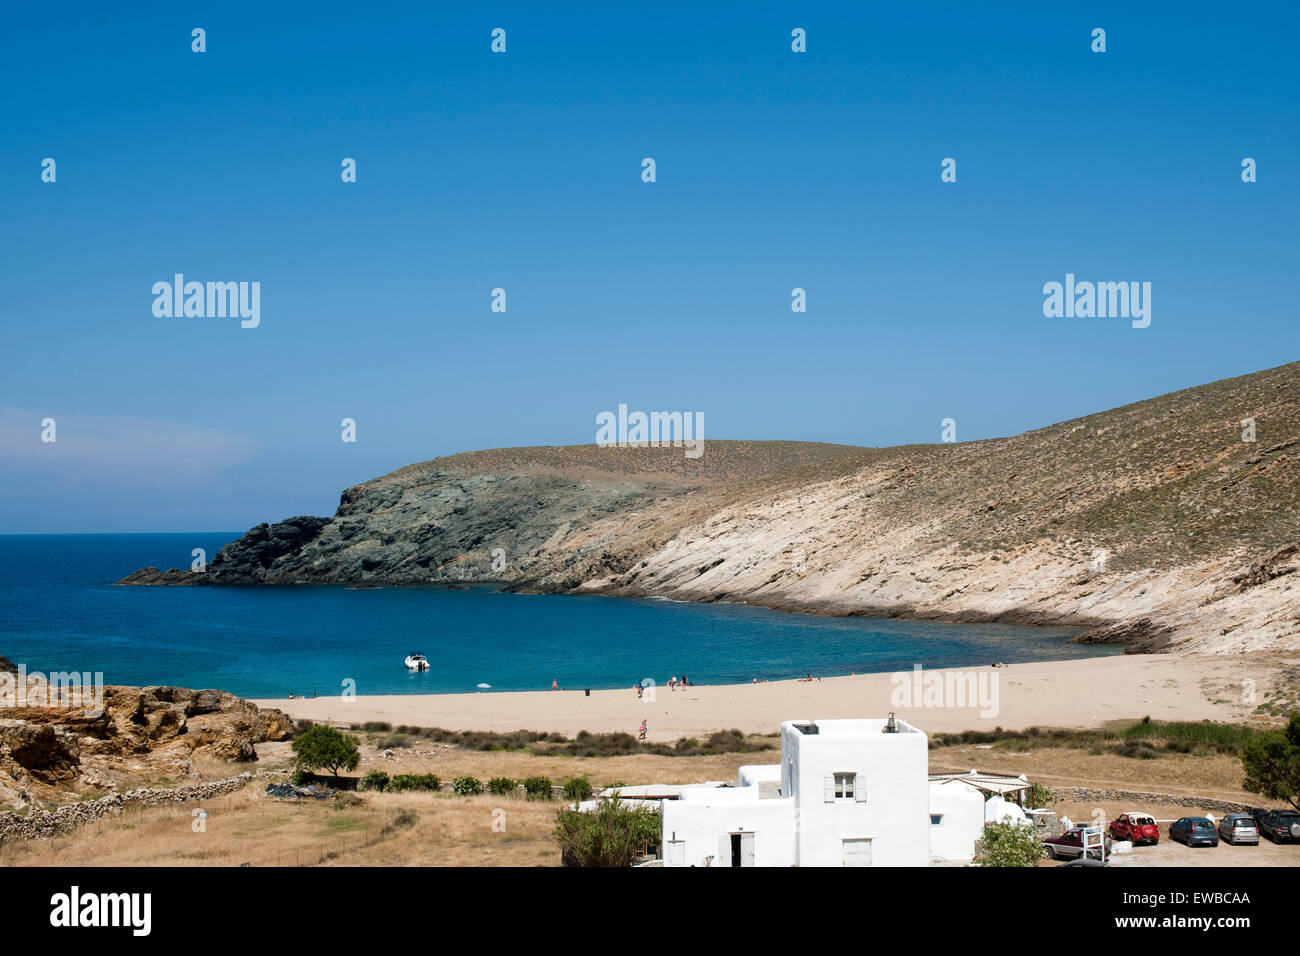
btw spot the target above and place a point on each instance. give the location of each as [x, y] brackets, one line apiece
[417, 662]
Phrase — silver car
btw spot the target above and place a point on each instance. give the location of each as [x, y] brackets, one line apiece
[1238, 828]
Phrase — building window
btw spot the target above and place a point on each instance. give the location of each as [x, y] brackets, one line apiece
[936, 819]
[844, 786]
[845, 783]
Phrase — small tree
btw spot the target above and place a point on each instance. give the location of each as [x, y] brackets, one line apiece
[1272, 763]
[1009, 844]
[321, 746]
[1038, 796]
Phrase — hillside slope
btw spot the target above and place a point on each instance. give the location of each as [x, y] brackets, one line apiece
[1148, 524]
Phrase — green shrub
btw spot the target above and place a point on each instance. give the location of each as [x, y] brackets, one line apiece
[414, 781]
[610, 835]
[467, 786]
[302, 777]
[1009, 844]
[538, 788]
[577, 788]
[375, 780]
[501, 786]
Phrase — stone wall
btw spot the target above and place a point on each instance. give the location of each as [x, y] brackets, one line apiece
[48, 823]
[1139, 797]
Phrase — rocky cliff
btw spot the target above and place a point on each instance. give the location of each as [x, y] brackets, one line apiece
[1154, 524]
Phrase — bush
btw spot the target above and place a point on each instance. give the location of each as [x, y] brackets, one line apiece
[538, 788]
[501, 786]
[401, 819]
[1009, 844]
[1271, 761]
[375, 780]
[610, 835]
[322, 746]
[467, 786]
[302, 777]
[577, 788]
[414, 781]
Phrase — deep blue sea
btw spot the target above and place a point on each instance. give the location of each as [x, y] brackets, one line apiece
[60, 611]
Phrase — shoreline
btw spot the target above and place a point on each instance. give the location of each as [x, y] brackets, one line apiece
[1081, 692]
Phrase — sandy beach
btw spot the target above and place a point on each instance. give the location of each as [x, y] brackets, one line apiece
[1078, 693]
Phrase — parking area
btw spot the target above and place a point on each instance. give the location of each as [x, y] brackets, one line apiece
[1169, 853]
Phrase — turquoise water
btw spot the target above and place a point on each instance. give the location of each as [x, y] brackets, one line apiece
[59, 611]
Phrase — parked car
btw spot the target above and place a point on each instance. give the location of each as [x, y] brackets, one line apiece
[1194, 831]
[1238, 829]
[1137, 828]
[1280, 826]
[1069, 846]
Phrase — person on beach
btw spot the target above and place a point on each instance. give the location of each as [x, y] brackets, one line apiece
[555, 685]
[641, 733]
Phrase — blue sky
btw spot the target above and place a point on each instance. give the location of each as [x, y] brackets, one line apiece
[522, 170]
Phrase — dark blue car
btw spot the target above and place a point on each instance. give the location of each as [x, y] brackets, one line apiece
[1194, 831]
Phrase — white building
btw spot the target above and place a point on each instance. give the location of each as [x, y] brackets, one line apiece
[846, 793]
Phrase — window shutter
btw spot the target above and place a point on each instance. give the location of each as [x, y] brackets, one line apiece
[859, 789]
[829, 785]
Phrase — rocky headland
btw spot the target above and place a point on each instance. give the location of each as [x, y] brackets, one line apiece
[1157, 524]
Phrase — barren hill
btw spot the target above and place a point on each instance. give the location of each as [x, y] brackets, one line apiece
[1152, 524]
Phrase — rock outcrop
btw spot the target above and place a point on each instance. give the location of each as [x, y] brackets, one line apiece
[48, 753]
[1154, 524]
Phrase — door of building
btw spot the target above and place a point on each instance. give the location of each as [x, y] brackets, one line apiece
[742, 849]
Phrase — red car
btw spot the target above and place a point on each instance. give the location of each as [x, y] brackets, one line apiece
[1069, 845]
[1137, 828]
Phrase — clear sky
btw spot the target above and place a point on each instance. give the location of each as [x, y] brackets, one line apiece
[522, 170]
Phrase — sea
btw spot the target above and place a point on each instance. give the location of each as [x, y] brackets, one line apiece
[61, 611]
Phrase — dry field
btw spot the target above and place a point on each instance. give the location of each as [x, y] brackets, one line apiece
[251, 827]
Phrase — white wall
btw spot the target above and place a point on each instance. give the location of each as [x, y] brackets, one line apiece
[894, 768]
[963, 821]
[703, 824]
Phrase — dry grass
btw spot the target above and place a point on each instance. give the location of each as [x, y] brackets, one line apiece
[1217, 775]
[250, 827]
